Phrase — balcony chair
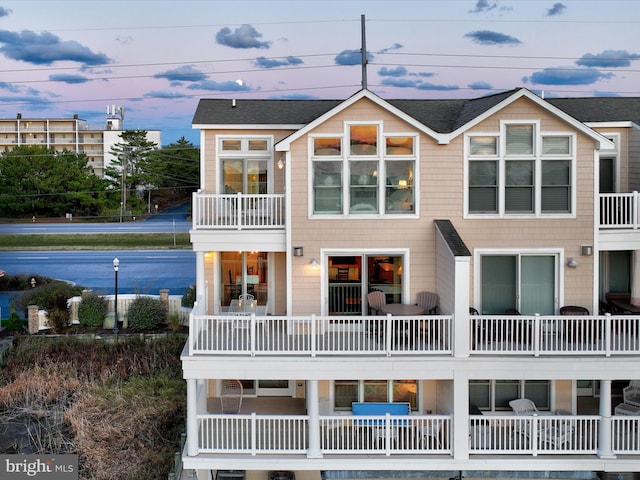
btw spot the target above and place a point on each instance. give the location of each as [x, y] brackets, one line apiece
[524, 406]
[429, 302]
[243, 306]
[231, 396]
[431, 434]
[631, 394]
[376, 301]
[573, 310]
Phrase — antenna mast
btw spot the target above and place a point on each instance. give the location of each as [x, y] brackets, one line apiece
[364, 52]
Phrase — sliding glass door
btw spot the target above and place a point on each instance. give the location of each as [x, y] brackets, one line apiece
[526, 282]
[351, 277]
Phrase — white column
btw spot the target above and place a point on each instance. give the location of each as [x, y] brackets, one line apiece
[460, 430]
[192, 418]
[635, 278]
[313, 408]
[461, 307]
[604, 432]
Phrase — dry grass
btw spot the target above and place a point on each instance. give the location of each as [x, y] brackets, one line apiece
[119, 406]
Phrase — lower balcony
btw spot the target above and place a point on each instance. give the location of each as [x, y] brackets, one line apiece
[424, 435]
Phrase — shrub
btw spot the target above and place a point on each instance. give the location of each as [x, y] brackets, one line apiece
[92, 310]
[189, 297]
[146, 313]
[48, 296]
[14, 323]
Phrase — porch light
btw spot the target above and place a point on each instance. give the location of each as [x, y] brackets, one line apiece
[281, 163]
[313, 263]
[572, 262]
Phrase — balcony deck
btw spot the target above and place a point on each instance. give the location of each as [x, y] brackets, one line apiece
[602, 335]
[261, 434]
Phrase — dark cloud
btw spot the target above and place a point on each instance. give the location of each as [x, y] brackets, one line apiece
[186, 73]
[68, 78]
[487, 37]
[395, 46]
[480, 85]
[557, 9]
[229, 86]
[243, 37]
[433, 86]
[5, 12]
[46, 48]
[351, 57]
[484, 6]
[567, 76]
[608, 59]
[393, 72]
[294, 96]
[264, 62]
[170, 94]
[405, 82]
[9, 87]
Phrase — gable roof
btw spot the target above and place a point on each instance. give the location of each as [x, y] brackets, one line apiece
[442, 119]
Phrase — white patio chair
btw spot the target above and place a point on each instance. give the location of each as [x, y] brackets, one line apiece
[231, 396]
[524, 406]
[631, 394]
[431, 434]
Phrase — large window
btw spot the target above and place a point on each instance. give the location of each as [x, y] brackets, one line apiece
[374, 175]
[245, 164]
[495, 395]
[522, 180]
[348, 391]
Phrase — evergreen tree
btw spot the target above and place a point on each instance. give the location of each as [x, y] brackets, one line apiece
[125, 171]
[41, 182]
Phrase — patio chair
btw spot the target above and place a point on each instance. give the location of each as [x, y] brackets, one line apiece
[631, 394]
[376, 301]
[431, 434]
[231, 396]
[524, 406]
[429, 302]
[573, 310]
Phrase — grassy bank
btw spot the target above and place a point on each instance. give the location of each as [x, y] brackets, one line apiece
[119, 405]
[95, 241]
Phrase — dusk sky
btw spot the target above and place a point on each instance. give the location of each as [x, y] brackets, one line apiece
[159, 58]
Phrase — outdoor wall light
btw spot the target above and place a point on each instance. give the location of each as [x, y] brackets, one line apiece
[313, 263]
[586, 250]
[298, 251]
[281, 163]
[572, 262]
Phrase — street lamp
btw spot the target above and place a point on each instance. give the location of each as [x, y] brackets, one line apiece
[116, 264]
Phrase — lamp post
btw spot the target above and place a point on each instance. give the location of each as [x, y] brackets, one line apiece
[116, 264]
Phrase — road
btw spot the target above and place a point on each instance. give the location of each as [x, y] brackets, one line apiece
[144, 271]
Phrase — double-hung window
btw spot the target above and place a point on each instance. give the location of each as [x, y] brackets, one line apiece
[520, 172]
[363, 171]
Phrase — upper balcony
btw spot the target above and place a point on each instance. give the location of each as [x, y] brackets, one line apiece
[386, 336]
[238, 211]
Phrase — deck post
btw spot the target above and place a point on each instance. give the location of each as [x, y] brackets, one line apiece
[313, 409]
[604, 432]
[192, 418]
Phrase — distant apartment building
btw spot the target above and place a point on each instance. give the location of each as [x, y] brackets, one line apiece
[73, 134]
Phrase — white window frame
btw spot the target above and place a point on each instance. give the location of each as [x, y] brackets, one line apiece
[381, 158]
[521, 392]
[244, 153]
[537, 157]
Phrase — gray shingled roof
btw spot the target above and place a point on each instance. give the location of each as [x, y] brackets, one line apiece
[442, 116]
[453, 239]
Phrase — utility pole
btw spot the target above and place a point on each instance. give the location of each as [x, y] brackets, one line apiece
[364, 53]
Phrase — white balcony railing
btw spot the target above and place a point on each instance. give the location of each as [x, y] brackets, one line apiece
[313, 335]
[255, 434]
[238, 211]
[619, 210]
